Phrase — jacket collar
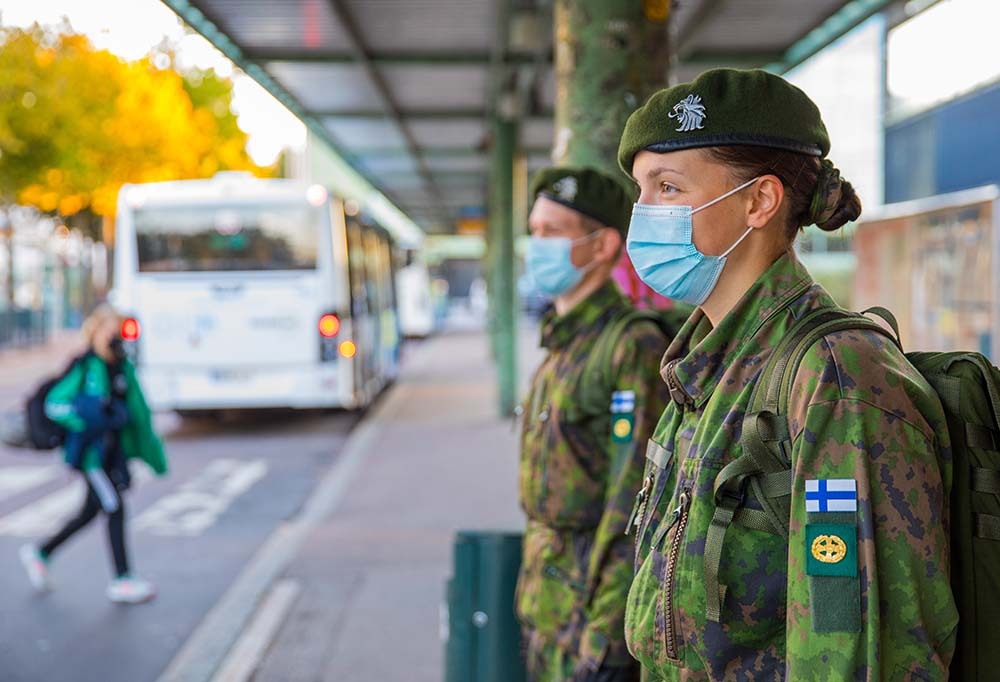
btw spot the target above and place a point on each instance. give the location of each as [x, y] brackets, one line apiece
[699, 355]
[559, 330]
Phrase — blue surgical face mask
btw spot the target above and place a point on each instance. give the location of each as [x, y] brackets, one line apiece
[549, 264]
[661, 245]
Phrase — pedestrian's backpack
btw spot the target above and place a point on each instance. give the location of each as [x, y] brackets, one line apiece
[968, 386]
[42, 432]
[596, 383]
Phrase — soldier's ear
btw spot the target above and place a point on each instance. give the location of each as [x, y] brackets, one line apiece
[609, 245]
[765, 201]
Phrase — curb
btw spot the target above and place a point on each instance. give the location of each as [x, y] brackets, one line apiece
[215, 636]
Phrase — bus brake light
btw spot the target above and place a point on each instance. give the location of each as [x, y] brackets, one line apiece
[329, 325]
[131, 329]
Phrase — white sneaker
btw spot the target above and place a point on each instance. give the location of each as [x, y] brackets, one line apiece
[36, 568]
[128, 590]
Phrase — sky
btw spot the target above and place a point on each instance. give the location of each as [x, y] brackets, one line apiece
[130, 28]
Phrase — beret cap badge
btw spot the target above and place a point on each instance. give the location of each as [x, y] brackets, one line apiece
[566, 188]
[587, 191]
[690, 114]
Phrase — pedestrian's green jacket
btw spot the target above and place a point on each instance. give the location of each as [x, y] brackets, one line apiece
[577, 485]
[89, 378]
[858, 411]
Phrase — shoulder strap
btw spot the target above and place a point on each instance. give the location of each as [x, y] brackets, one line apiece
[764, 468]
[597, 369]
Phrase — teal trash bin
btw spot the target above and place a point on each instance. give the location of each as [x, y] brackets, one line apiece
[482, 635]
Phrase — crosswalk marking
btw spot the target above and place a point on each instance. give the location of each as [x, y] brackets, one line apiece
[18, 479]
[199, 502]
[188, 512]
[45, 515]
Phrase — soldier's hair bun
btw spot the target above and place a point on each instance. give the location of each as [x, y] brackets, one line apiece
[834, 202]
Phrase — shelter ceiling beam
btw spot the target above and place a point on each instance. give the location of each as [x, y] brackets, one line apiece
[709, 58]
[436, 152]
[425, 114]
[839, 24]
[384, 93]
[414, 58]
[687, 36]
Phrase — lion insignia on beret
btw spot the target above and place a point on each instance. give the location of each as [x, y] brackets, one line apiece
[690, 113]
[566, 188]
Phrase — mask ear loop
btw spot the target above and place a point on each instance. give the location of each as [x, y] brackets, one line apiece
[726, 195]
[738, 242]
[587, 237]
[583, 240]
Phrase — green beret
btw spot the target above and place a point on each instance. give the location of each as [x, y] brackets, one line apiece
[587, 191]
[726, 107]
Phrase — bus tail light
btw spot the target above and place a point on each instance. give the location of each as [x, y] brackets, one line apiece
[130, 329]
[329, 326]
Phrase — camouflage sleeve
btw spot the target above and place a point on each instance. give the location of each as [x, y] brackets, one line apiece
[869, 595]
[609, 574]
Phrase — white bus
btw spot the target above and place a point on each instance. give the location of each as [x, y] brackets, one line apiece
[250, 293]
[413, 292]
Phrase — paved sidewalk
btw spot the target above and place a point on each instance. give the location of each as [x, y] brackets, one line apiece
[371, 575]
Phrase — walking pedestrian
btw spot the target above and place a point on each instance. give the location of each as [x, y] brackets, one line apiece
[101, 406]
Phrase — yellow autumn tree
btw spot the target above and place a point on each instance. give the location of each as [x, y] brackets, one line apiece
[76, 123]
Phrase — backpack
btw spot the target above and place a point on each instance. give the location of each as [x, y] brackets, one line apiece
[42, 432]
[596, 383]
[968, 386]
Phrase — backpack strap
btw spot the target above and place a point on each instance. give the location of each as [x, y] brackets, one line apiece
[597, 380]
[764, 469]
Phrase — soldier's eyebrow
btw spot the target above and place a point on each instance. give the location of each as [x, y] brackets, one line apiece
[659, 170]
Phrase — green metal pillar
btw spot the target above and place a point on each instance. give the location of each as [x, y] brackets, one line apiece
[503, 306]
[610, 55]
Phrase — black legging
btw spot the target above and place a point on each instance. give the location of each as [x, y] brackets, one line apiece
[101, 496]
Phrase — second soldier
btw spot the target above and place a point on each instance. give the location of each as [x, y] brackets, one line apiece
[590, 410]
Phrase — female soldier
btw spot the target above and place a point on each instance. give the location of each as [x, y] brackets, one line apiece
[730, 167]
[100, 404]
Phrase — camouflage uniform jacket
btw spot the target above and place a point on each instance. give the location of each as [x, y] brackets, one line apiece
[858, 411]
[577, 486]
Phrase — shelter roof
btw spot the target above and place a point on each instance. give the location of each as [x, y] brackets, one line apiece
[404, 90]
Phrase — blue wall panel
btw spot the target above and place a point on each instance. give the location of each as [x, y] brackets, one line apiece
[952, 147]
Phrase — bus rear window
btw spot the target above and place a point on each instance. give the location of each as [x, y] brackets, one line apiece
[227, 238]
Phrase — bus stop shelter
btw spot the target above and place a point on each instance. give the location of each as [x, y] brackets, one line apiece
[443, 107]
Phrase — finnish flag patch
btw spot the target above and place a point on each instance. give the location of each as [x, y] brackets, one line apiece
[831, 495]
[622, 401]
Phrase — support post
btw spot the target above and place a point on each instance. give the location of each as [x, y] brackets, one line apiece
[503, 288]
[610, 55]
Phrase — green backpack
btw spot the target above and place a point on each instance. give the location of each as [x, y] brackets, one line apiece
[968, 386]
[596, 384]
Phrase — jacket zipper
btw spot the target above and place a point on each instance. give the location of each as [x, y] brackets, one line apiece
[677, 392]
[540, 420]
[639, 508]
[680, 519]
